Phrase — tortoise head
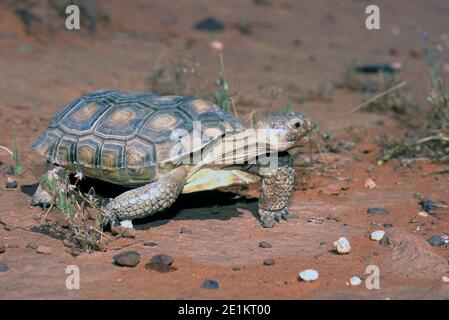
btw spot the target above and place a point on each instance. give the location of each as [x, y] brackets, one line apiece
[291, 129]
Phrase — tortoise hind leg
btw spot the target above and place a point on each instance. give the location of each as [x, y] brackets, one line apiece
[146, 200]
[54, 181]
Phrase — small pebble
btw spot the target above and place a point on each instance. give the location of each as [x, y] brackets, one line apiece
[355, 281]
[377, 235]
[209, 24]
[43, 249]
[268, 262]
[3, 267]
[123, 232]
[445, 279]
[127, 259]
[236, 269]
[210, 284]
[435, 241]
[423, 214]
[10, 183]
[161, 263]
[3, 247]
[32, 245]
[379, 211]
[342, 246]
[369, 183]
[186, 230]
[150, 244]
[265, 244]
[388, 225]
[308, 275]
[316, 220]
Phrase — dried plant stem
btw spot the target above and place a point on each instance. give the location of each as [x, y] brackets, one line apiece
[377, 96]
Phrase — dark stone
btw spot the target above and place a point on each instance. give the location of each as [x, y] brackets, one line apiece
[150, 244]
[127, 259]
[236, 269]
[297, 43]
[210, 284]
[435, 241]
[268, 262]
[265, 244]
[161, 263]
[186, 230]
[3, 267]
[388, 225]
[11, 184]
[209, 24]
[376, 68]
[379, 211]
[32, 245]
[428, 205]
[3, 247]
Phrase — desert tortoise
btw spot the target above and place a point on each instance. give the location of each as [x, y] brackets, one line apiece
[147, 142]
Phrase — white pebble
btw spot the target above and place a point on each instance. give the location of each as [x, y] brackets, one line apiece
[126, 224]
[445, 279]
[308, 275]
[355, 281]
[377, 235]
[342, 246]
[423, 214]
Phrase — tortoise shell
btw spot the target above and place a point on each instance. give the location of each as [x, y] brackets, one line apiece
[129, 138]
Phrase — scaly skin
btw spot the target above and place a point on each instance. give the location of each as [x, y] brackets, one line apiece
[277, 185]
[149, 199]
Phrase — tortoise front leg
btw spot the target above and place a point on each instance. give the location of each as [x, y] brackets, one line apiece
[277, 185]
[147, 200]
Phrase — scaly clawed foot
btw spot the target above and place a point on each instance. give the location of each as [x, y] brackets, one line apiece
[270, 218]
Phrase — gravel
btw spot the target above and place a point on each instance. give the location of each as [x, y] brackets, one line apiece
[308, 275]
[44, 250]
[150, 244]
[3, 267]
[10, 183]
[161, 263]
[268, 262]
[355, 281]
[378, 211]
[435, 241]
[127, 259]
[32, 245]
[210, 284]
[185, 230]
[377, 235]
[265, 244]
[342, 246]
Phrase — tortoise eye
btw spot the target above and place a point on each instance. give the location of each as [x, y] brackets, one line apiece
[297, 125]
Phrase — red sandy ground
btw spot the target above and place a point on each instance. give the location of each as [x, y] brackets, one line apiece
[35, 83]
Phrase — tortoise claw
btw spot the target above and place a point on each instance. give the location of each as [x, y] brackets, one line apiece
[270, 218]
